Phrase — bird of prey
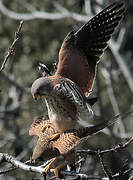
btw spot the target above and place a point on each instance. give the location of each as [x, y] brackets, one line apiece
[66, 92]
[63, 145]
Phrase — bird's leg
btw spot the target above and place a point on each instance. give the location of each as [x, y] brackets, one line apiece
[55, 136]
[46, 126]
[58, 168]
[49, 166]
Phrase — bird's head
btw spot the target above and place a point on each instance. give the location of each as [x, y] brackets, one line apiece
[42, 87]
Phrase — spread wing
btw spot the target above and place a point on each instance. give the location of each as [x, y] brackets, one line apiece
[81, 50]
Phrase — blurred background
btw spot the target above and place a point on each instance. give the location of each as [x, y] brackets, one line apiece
[46, 23]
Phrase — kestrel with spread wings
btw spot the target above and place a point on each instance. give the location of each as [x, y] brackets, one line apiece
[62, 146]
[66, 92]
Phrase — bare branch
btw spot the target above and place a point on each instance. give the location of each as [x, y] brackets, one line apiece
[83, 176]
[9, 77]
[11, 49]
[110, 90]
[122, 172]
[61, 8]
[121, 37]
[113, 100]
[8, 170]
[88, 7]
[114, 149]
[29, 16]
[122, 62]
[4, 157]
[105, 169]
[41, 15]
[125, 170]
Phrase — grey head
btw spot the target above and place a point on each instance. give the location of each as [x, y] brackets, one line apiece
[42, 87]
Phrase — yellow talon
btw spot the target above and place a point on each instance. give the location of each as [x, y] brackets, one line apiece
[58, 168]
[45, 127]
[55, 136]
[55, 172]
[49, 166]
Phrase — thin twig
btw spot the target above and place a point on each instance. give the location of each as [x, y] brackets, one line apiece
[118, 175]
[113, 100]
[113, 149]
[11, 49]
[118, 147]
[83, 176]
[8, 170]
[10, 78]
[105, 169]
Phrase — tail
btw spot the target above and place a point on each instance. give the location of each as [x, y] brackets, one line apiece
[89, 131]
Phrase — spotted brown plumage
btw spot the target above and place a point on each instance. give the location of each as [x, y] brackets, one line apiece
[64, 145]
[66, 92]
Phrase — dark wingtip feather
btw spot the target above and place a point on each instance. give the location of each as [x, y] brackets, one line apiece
[116, 5]
[99, 28]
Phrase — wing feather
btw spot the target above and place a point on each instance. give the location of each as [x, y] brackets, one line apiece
[81, 50]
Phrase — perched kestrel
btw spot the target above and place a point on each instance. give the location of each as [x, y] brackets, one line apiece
[66, 93]
[63, 145]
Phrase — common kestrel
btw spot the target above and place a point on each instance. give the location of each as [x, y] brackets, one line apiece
[66, 93]
[63, 145]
